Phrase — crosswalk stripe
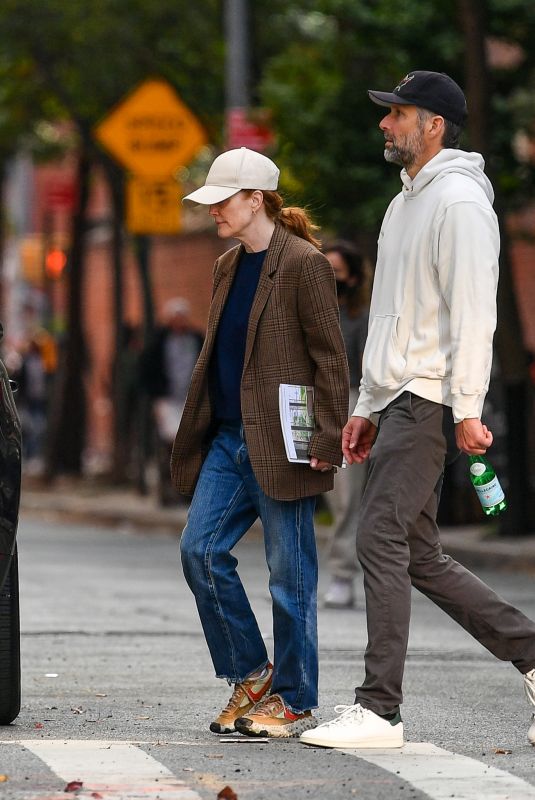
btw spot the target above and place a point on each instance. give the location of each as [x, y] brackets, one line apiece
[441, 774]
[110, 769]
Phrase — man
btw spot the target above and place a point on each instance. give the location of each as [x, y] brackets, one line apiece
[425, 372]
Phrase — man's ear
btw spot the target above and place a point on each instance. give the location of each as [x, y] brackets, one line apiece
[436, 126]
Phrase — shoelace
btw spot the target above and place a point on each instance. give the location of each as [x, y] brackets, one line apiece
[348, 715]
[235, 699]
[239, 691]
[269, 706]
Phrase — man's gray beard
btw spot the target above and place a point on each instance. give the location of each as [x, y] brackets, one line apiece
[392, 156]
[409, 154]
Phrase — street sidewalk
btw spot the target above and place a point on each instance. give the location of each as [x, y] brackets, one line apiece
[97, 503]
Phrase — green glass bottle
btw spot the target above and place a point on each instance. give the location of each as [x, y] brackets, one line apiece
[487, 485]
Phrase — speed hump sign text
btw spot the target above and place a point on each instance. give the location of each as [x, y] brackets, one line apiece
[152, 132]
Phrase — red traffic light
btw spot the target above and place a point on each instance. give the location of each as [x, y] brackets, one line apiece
[55, 262]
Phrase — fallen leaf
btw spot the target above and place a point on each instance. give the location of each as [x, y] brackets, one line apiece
[96, 795]
[227, 793]
[3, 778]
[73, 786]
[38, 725]
[501, 751]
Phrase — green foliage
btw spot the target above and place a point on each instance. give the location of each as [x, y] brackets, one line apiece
[314, 61]
[80, 58]
[329, 52]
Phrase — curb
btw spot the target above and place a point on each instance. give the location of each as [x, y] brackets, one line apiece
[476, 546]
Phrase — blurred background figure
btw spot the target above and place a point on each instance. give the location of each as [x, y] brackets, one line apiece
[353, 289]
[37, 366]
[166, 373]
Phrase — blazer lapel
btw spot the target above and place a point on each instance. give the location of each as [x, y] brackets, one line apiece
[265, 285]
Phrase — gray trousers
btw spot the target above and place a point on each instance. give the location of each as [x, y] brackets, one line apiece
[398, 545]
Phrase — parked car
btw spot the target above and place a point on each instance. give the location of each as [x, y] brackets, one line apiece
[10, 480]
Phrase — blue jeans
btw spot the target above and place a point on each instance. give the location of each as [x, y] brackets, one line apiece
[226, 502]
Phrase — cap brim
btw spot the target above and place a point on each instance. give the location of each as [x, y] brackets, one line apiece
[387, 99]
[209, 195]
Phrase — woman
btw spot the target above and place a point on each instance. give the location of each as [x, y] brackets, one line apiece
[273, 319]
[353, 289]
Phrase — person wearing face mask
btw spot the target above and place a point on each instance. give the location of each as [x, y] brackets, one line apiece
[353, 290]
[273, 319]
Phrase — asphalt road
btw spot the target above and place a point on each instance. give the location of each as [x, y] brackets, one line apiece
[118, 689]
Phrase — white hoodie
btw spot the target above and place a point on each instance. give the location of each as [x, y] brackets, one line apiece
[433, 307]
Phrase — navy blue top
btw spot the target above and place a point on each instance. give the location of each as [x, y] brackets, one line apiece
[228, 355]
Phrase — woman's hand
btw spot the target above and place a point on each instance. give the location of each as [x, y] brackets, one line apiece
[321, 466]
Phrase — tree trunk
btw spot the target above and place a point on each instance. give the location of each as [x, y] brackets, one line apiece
[67, 426]
[143, 249]
[119, 459]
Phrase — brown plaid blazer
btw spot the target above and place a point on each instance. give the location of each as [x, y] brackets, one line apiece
[293, 337]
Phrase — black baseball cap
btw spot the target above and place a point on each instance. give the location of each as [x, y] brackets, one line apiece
[434, 91]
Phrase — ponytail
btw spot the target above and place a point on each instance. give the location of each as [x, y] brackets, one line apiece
[296, 220]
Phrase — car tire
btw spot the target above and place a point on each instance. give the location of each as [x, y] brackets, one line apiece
[10, 645]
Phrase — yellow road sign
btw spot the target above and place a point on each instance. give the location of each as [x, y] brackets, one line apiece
[152, 206]
[152, 132]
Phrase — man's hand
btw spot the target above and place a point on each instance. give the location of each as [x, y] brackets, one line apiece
[473, 437]
[357, 439]
[321, 466]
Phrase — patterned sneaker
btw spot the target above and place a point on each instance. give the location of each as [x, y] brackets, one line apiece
[529, 687]
[243, 698]
[357, 727]
[271, 717]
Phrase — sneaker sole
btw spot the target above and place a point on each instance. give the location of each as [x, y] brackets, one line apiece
[289, 731]
[216, 727]
[364, 744]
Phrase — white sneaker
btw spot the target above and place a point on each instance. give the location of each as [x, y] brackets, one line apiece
[531, 731]
[529, 687]
[339, 594]
[356, 727]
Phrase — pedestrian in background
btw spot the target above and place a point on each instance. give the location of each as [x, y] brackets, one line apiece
[273, 319]
[352, 289]
[425, 373]
[37, 367]
[167, 366]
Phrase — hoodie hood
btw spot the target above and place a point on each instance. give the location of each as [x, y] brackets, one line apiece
[470, 165]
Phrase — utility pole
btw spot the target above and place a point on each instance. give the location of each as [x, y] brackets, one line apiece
[237, 61]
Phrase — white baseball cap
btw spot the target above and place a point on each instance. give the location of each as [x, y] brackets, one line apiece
[235, 170]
